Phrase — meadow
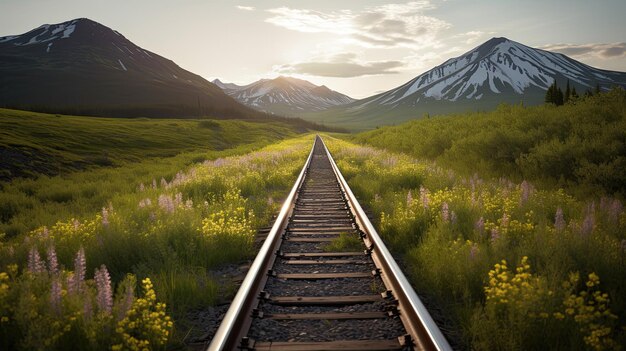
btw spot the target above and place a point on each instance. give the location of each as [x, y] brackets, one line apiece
[113, 254]
[112, 257]
[513, 267]
[510, 263]
[580, 146]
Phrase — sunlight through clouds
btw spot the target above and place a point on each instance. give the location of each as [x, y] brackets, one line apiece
[391, 25]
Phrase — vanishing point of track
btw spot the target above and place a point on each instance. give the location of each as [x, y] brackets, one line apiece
[298, 296]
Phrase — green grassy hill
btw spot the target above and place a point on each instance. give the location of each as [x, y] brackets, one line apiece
[36, 143]
[580, 146]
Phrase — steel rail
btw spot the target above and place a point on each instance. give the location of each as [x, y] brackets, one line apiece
[229, 333]
[424, 331]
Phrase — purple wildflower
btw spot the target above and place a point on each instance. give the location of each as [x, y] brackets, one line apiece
[445, 213]
[166, 203]
[504, 222]
[424, 196]
[154, 184]
[452, 217]
[409, 198]
[526, 191]
[495, 234]
[480, 225]
[559, 222]
[164, 184]
[588, 224]
[189, 204]
[127, 302]
[615, 211]
[178, 199]
[53, 263]
[55, 295]
[142, 187]
[76, 224]
[270, 201]
[105, 217]
[80, 268]
[105, 293]
[35, 264]
[473, 251]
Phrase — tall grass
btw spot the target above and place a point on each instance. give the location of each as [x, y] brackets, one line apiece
[174, 230]
[513, 267]
[580, 146]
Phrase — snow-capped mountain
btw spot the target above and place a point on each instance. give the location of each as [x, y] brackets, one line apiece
[285, 95]
[225, 86]
[87, 67]
[500, 68]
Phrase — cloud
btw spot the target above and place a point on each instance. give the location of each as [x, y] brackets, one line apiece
[599, 50]
[245, 8]
[342, 65]
[384, 26]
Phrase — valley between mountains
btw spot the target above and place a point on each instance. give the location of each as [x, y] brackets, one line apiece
[135, 195]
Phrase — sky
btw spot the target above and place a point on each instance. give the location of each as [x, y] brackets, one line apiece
[357, 47]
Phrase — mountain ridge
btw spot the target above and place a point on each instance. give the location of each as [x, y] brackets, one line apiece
[499, 70]
[285, 95]
[84, 67]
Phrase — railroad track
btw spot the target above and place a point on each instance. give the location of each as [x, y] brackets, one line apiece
[298, 295]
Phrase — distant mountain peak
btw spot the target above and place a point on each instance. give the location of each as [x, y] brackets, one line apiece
[285, 95]
[83, 63]
[499, 69]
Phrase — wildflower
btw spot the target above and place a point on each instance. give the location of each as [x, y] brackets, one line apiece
[178, 199]
[445, 214]
[105, 217]
[452, 217]
[55, 295]
[166, 203]
[559, 222]
[105, 293]
[76, 224]
[164, 183]
[189, 204]
[35, 264]
[270, 201]
[142, 187]
[154, 184]
[473, 251]
[480, 225]
[80, 268]
[494, 234]
[409, 198]
[615, 210]
[53, 264]
[504, 222]
[588, 224]
[526, 191]
[424, 196]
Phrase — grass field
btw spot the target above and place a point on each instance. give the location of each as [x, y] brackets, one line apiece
[509, 266]
[35, 143]
[580, 146]
[114, 257]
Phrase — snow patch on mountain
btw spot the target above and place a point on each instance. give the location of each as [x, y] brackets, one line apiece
[498, 66]
[285, 95]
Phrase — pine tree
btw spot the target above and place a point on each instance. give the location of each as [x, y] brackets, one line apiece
[568, 93]
[574, 94]
[558, 97]
[551, 94]
[588, 93]
[597, 88]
